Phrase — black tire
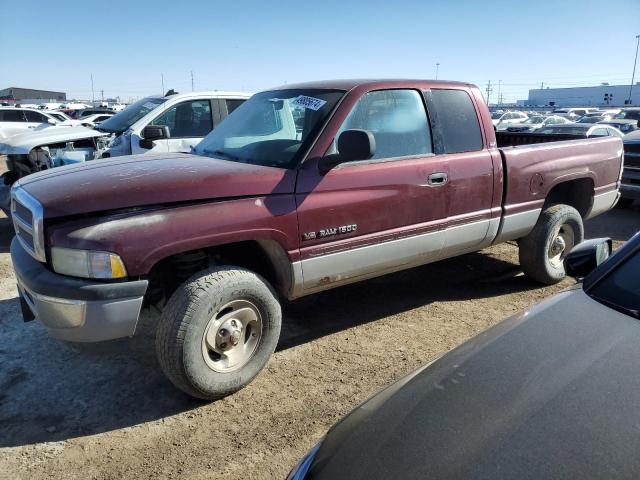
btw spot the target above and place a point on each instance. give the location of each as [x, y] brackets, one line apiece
[186, 317]
[534, 250]
[624, 202]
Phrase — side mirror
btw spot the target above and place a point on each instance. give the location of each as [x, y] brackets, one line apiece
[587, 256]
[153, 132]
[353, 145]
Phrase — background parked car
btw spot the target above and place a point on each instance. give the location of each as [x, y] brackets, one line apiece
[533, 123]
[573, 113]
[498, 118]
[20, 120]
[624, 125]
[95, 119]
[584, 129]
[630, 183]
[549, 393]
[595, 117]
[85, 112]
[629, 114]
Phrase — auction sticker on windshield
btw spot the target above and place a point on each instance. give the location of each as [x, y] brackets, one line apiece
[311, 103]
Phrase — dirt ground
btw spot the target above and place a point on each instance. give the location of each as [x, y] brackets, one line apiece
[106, 411]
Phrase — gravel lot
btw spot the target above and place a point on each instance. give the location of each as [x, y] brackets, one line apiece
[105, 411]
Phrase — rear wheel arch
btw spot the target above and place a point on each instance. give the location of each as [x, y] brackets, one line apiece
[577, 193]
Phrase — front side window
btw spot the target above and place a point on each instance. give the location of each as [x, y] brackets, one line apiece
[599, 132]
[458, 121]
[187, 119]
[396, 118]
[271, 128]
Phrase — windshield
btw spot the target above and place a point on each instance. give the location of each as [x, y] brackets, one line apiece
[130, 115]
[534, 120]
[629, 115]
[590, 119]
[271, 128]
[621, 288]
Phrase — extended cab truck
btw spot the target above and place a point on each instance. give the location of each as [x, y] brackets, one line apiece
[303, 188]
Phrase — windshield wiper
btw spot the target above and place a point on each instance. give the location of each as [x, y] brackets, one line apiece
[629, 311]
[222, 153]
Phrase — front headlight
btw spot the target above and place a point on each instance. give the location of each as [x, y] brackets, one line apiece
[300, 471]
[87, 263]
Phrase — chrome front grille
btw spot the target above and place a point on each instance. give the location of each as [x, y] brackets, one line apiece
[26, 213]
[632, 155]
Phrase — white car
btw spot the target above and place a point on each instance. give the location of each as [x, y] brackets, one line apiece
[157, 124]
[574, 113]
[14, 121]
[533, 123]
[507, 118]
[95, 119]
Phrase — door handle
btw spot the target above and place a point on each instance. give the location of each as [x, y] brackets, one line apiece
[437, 179]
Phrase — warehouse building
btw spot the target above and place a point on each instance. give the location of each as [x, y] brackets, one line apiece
[16, 94]
[599, 96]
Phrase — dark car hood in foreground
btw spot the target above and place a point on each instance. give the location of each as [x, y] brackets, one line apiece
[551, 393]
[150, 179]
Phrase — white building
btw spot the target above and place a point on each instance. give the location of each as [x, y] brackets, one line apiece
[599, 96]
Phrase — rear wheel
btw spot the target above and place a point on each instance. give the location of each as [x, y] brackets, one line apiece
[558, 229]
[217, 331]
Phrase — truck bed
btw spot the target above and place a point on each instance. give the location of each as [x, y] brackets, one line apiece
[531, 170]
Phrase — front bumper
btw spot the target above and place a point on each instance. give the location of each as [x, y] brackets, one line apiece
[75, 309]
[630, 187]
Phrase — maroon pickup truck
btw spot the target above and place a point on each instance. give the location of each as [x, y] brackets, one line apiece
[303, 188]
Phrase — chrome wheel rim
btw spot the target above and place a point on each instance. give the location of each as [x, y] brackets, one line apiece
[561, 243]
[232, 336]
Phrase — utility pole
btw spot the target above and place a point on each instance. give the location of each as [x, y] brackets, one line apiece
[162, 82]
[541, 85]
[102, 94]
[489, 90]
[93, 96]
[192, 80]
[499, 92]
[633, 75]
[437, 68]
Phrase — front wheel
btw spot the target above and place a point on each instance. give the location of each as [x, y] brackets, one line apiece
[217, 331]
[558, 229]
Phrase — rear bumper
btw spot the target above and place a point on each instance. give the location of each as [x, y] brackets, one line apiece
[74, 309]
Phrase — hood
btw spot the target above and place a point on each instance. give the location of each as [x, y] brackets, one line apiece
[549, 393]
[632, 137]
[24, 142]
[150, 179]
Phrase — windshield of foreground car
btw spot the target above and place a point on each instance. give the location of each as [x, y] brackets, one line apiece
[130, 115]
[271, 128]
[621, 288]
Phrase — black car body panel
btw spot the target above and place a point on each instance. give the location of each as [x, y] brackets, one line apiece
[553, 392]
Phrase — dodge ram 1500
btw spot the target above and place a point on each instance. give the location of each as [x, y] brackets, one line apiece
[301, 189]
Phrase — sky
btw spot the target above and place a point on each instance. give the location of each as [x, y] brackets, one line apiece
[253, 45]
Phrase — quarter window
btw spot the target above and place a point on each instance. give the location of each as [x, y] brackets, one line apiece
[396, 118]
[187, 119]
[458, 121]
[232, 104]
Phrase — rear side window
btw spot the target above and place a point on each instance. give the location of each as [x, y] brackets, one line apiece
[232, 104]
[13, 116]
[396, 118]
[458, 121]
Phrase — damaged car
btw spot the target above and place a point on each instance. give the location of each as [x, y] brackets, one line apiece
[157, 124]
